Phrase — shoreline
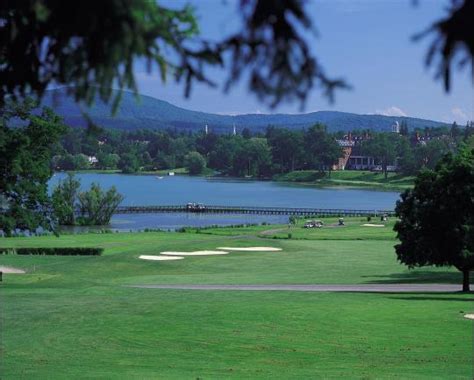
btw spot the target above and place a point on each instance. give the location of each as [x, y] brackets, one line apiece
[325, 183]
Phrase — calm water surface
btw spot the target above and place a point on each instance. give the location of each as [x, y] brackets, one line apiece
[179, 190]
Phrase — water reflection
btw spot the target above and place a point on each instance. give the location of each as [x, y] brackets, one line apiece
[174, 221]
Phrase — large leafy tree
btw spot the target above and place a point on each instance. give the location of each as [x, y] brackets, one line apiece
[429, 154]
[322, 150]
[96, 206]
[383, 148]
[223, 156]
[26, 144]
[287, 148]
[195, 163]
[93, 207]
[128, 163]
[253, 158]
[436, 225]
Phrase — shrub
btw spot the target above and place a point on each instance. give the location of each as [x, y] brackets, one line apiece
[70, 251]
[195, 163]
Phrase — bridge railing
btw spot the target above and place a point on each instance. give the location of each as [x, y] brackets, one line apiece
[250, 210]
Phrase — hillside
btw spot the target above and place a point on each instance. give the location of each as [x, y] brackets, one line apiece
[148, 112]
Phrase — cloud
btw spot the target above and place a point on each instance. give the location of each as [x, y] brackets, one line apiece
[391, 111]
[459, 114]
[237, 113]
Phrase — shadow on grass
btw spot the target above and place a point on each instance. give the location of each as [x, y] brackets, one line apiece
[417, 277]
[426, 297]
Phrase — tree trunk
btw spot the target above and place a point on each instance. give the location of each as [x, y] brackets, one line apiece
[465, 281]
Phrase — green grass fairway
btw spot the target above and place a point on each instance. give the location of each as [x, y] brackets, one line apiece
[353, 229]
[72, 317]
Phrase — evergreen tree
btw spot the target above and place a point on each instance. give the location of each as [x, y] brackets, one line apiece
[404, 128]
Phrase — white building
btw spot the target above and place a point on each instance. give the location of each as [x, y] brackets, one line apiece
[92, 160]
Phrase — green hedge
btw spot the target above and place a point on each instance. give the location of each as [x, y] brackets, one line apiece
[74, 251]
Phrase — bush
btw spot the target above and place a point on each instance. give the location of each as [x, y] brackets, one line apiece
[195, 163]
[74, 251]
[301, 176]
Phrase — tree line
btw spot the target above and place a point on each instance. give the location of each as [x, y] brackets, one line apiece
[262, 154]
[278, 150]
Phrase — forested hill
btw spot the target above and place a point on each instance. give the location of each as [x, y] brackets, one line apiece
[151, 113]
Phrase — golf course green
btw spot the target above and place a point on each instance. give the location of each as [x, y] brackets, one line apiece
[81, 317]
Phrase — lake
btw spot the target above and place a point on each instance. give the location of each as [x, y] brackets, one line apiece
[178, 190]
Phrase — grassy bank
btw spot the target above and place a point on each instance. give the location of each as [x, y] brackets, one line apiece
[143, 172]
[349, 178]
[73, 317]
[162, 172]
[343, 178]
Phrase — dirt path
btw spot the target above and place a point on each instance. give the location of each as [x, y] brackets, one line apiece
[363, 288]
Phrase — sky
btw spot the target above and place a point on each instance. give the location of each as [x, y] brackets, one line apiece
[366, 42]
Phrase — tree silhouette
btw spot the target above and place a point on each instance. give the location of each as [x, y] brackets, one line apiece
[453, 40]
[436, 225]
[92, 46]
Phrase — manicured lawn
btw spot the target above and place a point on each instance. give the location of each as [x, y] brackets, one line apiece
[72, 317]
[368, 176]
[147, 333]
[353, 229]
[350, 178]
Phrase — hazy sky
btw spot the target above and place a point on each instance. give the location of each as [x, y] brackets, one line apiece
[367, 42]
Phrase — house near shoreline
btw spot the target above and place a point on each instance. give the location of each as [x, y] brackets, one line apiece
[353, 156]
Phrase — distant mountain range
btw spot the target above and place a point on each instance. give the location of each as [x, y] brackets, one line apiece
[151, 113]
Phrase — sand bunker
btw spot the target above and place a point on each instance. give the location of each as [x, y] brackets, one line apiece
[251, 249]
[5, 269]
[160, 258]
[373, 225]
[469, 316]
[195, 253]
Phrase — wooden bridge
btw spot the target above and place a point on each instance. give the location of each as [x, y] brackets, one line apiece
[250, 210]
